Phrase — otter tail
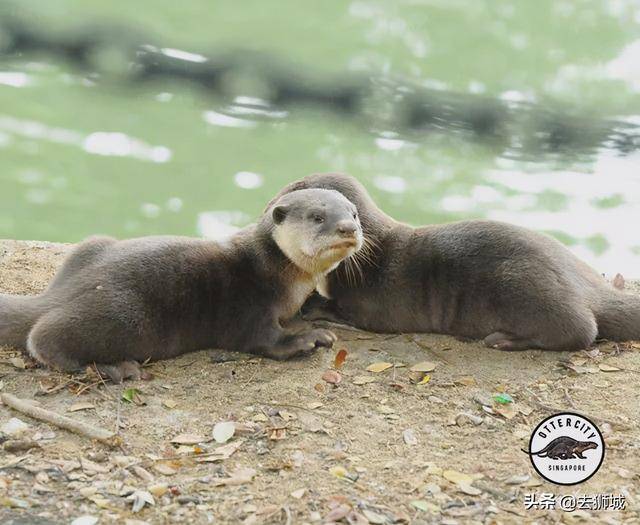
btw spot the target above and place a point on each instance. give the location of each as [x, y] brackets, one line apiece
[618, 316]
[17, 315]
[544, 450]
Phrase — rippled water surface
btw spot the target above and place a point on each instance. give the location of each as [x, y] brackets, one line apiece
[79, 156]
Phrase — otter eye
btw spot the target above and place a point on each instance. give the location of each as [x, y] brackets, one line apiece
[355, 215]
[318, 219]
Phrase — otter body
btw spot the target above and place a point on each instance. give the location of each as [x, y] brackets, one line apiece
[564, 447]
[512, 287]
[118, 302]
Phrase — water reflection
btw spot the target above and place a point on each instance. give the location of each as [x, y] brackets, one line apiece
[520, 111]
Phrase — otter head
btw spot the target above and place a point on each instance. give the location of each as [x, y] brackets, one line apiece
[316, 229]
[586, 445]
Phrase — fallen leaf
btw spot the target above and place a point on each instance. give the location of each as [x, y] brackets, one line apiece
[363, 380]
[277, 434]
[298, 494]
[287, 416]
[424, 366]
[238, 477]
[424, 380]
[425, 506]
[608, 368]
[339, 359]
[80, 406]
[221, 453]
[314, 404]
[223, 431]
[132, 395]
[470, 490]
[170, 403]
[338, 471]
[409, 437]
[165, 469]
[466, 381]
[508, 411]
[618, 282]
[18, 362]
[159, 489]
[140, 498]
[85, 520]
[188, 439]
[378, 367]
[374, 517]
[459, 478]
[332, 377]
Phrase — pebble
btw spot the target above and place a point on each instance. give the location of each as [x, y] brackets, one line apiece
[14, 426]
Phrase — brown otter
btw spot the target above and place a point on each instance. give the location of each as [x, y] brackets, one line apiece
[510, 286]
[564, 447]
[118, 302]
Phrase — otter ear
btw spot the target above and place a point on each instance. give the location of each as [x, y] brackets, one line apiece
[279, 213]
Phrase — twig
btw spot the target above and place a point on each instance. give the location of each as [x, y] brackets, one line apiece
[29, 408]
[537, 401]
[569, 400]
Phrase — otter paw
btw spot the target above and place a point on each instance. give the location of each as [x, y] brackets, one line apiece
[503, 341]
[120, 371]
[320, 337]
[303, 343]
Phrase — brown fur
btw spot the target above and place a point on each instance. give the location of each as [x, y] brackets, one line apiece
[115, 302]
[510, 286]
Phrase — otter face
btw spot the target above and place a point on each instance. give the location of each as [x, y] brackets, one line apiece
[586, 445]
[316, 229]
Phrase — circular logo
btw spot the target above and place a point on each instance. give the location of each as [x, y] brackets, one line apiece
[566, 448]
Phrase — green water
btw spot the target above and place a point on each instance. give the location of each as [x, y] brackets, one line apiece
[79, 157]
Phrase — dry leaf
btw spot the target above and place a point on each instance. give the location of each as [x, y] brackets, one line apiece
[165, 469]
[424, 366]
[469, 489]
[238, 477]
[466, 381]
[224, 431]
[221, 453]
[80, 406]
[363, 380]
[170, 403]
[378, 367]
[424, 380]
[332, 377]
[18, 362]
[459, 478]
[298, 494]
[508, 411]
[141, 498]
[188, 439]
[340, 357]
[608, 368]
[409, 437]
[314, 404]
[277, 434]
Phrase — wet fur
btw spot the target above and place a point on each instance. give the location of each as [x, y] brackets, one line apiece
[510, 286]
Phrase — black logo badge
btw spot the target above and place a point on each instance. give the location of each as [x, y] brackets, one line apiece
[566, 448]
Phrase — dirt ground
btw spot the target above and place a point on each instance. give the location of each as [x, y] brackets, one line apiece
[374, 448]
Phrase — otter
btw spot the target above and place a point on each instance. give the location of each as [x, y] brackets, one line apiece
[118, 302]
[564, 447]
[479, 279]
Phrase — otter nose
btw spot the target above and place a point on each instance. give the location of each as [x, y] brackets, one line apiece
[347, 228]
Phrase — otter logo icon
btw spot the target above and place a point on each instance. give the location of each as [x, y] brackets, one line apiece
[566, 448]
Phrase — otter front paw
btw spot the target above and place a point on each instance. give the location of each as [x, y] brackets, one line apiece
[302, 343]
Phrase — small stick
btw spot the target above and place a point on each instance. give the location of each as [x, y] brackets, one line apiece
[28, 407]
